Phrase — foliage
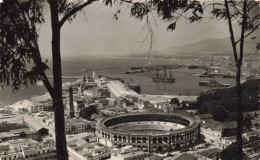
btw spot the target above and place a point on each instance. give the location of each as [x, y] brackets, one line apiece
[219, 113]
[256, 125]
[87, 112]
[23, 135]
[20, 58]
[227, 98]
[228, 132]
[231, 153]
[204, 108]
[247, 123]
[175, 101]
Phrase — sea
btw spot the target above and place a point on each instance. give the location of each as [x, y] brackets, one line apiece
[185, 82]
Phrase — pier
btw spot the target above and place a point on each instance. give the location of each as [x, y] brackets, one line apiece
[67, 77]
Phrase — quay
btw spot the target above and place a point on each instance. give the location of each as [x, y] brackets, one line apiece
[118, 89]
[66, 77]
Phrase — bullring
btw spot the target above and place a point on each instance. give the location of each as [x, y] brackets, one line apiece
[152, 132]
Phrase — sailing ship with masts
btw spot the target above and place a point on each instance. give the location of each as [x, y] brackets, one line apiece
[164, 77]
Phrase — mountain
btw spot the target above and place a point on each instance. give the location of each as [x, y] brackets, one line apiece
[210, 47]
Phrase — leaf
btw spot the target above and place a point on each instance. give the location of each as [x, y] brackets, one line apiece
[108, 2]
[258, 46]
[172, 26]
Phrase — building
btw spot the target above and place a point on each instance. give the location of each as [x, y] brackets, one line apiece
[19, 133]
[205, 117]
[220, 129]
[7, 126]
[227, 129]
[83, 150]
[32, 106]
[127, 153]
[75, 126]
[27, 149]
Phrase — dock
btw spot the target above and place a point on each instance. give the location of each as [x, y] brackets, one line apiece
[67, 77]
[118, 89]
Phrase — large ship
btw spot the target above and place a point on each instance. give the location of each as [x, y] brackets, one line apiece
[163, 78]
[213, 83]
[134, 86]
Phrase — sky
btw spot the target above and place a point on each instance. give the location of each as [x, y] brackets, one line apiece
[95, 32]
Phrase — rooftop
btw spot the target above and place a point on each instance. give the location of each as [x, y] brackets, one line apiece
[186, 156]
[205, 116]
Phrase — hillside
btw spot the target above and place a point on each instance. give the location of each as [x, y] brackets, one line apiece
[222, 102]
[207, 46]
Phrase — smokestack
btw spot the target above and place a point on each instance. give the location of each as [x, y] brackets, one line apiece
[72, 113]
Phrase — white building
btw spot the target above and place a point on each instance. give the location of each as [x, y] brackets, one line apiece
[31, 106]
[27, 149]
[127, 153]
[75, 126]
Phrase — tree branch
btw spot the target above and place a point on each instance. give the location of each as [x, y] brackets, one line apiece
[37, 58]
[74, 10]
[248, 34]
[213, 5]
[244, 23]
[231, 31]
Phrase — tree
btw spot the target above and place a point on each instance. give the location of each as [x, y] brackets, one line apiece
[23, 135]
[230, 10]
[175, 101]
[203, 109]
[247, 123]
[219, 113]
[231, 153]
[88, 111]
[256, 125]
[21, 62]
[255, 115]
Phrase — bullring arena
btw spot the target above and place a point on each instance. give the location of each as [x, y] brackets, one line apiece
[152, 132]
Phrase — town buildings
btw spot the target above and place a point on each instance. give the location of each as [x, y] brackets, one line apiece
[127, 153]
[27, 149]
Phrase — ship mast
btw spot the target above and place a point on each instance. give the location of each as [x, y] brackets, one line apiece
[157, 74]
[164, 71]
[170, 74]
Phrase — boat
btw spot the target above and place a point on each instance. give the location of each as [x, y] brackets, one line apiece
[202, 83]
[205, 74]
[161, 78]
[134, 86]
[193, 67]
[228, 76]
[213, 83]
[137, 68]
[134, 71]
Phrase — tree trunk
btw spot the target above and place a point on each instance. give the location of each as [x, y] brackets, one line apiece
[239, 113]
[238, 84]
[61, 145]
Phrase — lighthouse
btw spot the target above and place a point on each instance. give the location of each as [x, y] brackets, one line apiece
[94, 74]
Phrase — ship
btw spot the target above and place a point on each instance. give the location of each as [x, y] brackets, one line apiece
[134, 86]
[229, 76]
[213, 83]
[163, 78]
[134, 71]
[205, 74]
[193, 67]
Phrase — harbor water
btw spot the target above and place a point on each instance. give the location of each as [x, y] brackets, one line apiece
[185, 83]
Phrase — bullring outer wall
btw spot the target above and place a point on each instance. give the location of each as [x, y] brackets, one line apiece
[149, 141]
